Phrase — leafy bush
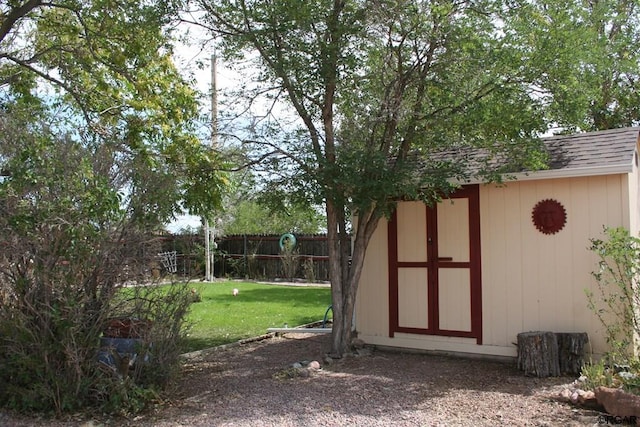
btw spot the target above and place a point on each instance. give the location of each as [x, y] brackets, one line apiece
[68, 246]
[601, 373]
[290, 262]
[616, 306]
[50, 329]
[598, 374]
[618, 298]
[309, 270]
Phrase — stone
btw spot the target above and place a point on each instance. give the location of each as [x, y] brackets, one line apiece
[588, 400]
[314, 364]
[574, 397]
[565, 395]
[627, 376]
[584, 396]
[357, 343]
[297, 365]
[363, 352]
[304, 373]
[618, 403]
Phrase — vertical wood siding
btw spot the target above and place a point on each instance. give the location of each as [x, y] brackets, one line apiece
[533, 281]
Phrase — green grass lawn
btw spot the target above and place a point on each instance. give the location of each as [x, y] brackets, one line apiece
[221, 318]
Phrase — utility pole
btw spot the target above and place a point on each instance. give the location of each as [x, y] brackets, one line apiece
[210, 231]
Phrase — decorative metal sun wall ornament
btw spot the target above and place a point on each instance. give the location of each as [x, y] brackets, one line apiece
[549, 216]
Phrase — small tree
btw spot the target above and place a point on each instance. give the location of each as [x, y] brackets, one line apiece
[617, 301]
[97, 151]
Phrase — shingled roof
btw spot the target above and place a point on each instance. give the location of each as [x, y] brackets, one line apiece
[585, 154]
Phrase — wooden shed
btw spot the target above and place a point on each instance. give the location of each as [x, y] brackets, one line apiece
[492, 261]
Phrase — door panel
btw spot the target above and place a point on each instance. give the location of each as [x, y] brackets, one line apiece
[411, 232]
[454, 300]
[413, 299]
[453, 230]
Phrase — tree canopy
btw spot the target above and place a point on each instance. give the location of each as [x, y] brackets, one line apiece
[584, 57]
[102, 72]
[248, 211]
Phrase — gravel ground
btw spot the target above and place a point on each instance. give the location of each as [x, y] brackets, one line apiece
[254, 385]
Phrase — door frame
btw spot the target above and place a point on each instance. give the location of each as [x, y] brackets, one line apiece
[472, 193]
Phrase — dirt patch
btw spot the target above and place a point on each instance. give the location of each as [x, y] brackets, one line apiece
[242, 385]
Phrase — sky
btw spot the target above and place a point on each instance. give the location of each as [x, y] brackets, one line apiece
[187, 59]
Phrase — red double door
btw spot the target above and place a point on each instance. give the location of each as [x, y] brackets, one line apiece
[434, 267]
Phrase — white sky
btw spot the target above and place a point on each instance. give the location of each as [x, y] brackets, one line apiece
[196, 62]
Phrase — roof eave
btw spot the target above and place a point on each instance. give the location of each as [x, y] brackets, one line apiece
[558, 173]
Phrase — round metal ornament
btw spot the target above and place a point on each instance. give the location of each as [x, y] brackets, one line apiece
[549, 216]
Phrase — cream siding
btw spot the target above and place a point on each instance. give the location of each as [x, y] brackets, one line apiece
[634, 196]
[545, 276]
[372, 302]
[530, 281]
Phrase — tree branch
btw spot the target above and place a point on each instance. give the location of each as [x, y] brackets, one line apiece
[15, 14]
[53, 80]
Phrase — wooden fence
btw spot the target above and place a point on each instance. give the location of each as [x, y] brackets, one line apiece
[257, 257]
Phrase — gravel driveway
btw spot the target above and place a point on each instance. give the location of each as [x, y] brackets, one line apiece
[255, 385]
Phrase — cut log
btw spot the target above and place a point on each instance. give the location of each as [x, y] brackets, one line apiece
[538, 354]
[571, 351]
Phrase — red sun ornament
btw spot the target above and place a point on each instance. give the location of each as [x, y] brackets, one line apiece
[549, 216]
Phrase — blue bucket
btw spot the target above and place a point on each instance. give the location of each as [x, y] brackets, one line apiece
[125, 347]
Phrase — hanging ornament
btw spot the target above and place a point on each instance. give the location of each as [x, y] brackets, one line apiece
[549, 216]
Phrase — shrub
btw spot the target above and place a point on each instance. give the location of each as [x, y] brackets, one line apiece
[309, 270]
[615, 303]
[68, 245]
[50, 340]
[618, 298]
[290, 262]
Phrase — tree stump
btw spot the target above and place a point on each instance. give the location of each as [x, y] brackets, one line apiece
[538, 354]
[571, 350]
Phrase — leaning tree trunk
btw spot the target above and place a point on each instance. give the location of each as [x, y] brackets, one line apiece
[341, 324]
[345, 269]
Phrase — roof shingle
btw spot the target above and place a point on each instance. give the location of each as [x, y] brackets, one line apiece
[585, 154]
[615, 147]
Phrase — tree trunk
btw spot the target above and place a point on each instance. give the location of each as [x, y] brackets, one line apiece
[571, 348]
[538, 354]
[341, 327]
[545, 354]
[345, 268]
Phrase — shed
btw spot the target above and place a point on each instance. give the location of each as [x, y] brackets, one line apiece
[491, 261]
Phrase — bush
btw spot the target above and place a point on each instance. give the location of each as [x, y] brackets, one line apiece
[50, 340]
[618, 297]
[626, 377]
[68, 245]
[616, 305]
